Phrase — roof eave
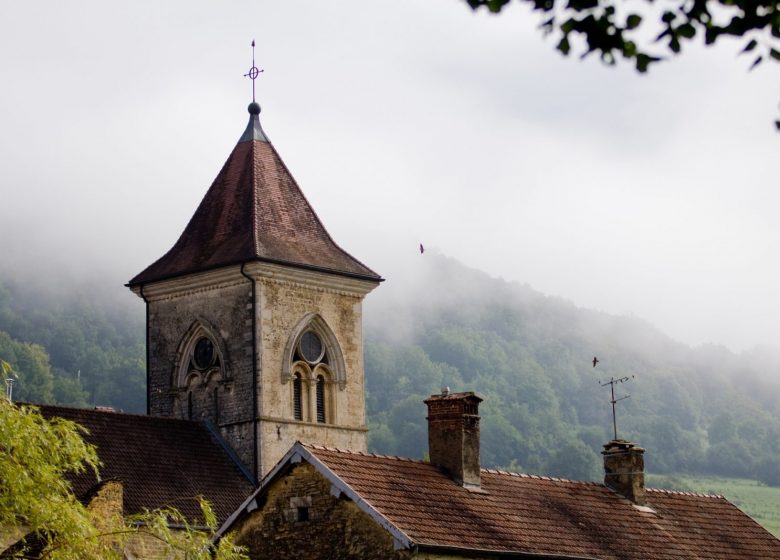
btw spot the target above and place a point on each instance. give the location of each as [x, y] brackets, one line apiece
[161, 278]
[481, 553]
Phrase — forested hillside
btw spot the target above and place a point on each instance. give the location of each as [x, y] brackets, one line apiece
[528, 355]
[73, 345]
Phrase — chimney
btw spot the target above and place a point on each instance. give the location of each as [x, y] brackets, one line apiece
[453, 435]
[624, 469]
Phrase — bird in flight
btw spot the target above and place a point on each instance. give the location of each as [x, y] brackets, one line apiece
[595, 361]
[422, 249]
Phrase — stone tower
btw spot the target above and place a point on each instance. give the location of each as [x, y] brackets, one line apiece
[254, 316]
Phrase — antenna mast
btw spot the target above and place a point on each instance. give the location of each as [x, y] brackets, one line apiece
[612, 382]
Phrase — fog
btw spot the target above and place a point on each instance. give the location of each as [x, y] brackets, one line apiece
[404, 122]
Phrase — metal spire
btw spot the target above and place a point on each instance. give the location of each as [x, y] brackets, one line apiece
[254, 71]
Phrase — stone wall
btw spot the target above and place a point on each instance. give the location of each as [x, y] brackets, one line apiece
[220, 303]
[287, 299]
[332, 528]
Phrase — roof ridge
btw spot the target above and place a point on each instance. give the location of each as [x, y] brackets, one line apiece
[539, 477]
[313, 211]
[362, 453]
[686, 493]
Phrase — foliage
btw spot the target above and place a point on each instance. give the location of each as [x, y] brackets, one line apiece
[615, 30]
[75, 349]
[694, 410]
[528, 356]
[36, 499]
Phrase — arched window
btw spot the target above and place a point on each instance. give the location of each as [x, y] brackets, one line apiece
[199, 369]
[320, 399]
[297, 397]
[315, 366]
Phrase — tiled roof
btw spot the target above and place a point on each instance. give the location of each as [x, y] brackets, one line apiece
[254, 210]
[160, 462]
[542, 515]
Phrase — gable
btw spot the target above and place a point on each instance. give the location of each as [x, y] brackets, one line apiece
[330, 526]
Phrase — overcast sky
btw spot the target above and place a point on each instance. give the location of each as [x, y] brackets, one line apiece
[403, 122]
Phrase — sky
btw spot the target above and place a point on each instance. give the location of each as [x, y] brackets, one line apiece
[404, 122]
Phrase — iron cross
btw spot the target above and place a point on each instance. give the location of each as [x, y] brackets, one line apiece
[253, 72]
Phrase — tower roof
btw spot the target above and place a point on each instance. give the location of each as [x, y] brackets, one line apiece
[254, 211]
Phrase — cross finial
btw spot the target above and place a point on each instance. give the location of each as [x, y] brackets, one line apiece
[612, 382]
[254, 71]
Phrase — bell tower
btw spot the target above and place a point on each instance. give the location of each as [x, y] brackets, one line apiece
[254, 317]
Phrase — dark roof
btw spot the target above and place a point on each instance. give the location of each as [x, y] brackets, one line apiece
[160, 462]
[254, 210]
[520, 513]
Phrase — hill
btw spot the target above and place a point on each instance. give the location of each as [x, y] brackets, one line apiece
[440, 323]
[529, 355]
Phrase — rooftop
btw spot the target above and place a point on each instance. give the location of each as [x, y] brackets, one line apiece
[160, 462]
[254, 210]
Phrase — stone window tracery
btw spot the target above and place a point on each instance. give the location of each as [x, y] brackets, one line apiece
[314, 359]
[199, 375]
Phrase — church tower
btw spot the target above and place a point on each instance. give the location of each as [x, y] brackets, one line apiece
[254, 316]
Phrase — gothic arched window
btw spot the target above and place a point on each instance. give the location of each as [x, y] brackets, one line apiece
[297, 397]
[320, 399]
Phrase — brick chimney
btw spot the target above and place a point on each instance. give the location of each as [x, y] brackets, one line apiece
[453, 435]
[624, 470]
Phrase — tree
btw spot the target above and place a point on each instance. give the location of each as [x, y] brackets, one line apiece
[613, 30]
[39, 511]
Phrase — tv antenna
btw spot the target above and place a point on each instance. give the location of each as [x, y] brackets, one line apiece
[254, 72]
[612, 382]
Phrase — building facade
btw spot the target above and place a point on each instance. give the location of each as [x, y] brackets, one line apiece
[254, 317]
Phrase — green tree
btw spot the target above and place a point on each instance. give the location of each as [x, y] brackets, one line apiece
[39, 507]
[634, 32]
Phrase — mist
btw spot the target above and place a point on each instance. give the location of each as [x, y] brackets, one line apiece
[648, 196]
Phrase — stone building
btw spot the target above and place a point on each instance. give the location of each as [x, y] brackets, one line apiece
[254, 315]
[326, 503]
[254, 344]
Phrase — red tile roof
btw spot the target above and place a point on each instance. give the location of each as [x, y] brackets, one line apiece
[541, 515]
[254, 210]
[160, 461]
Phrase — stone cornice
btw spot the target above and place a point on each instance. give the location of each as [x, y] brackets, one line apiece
[311, 279]
[192, 283]
[262, 271]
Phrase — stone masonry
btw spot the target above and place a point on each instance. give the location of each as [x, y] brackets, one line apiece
[218, 304]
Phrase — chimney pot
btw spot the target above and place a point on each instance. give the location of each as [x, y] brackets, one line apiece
[453, 435]
[624, 470]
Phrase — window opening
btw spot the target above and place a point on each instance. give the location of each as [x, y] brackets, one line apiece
[303, 513]
[310, 347]
[298, 409]
[204, 355]
[320, 399]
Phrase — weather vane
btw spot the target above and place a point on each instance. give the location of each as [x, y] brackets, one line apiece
[612, 382]
[254, 72]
